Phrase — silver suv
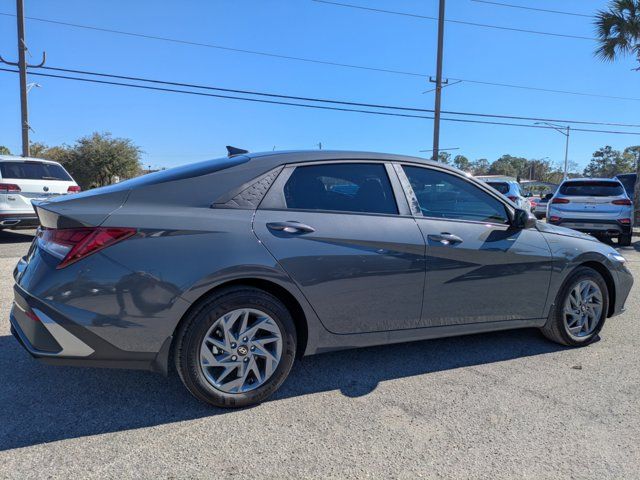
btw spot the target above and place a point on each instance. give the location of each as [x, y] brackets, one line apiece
[599, 206]
[508, 187]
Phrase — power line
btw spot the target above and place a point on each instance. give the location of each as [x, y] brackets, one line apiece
[533, 8]
[316, 61]
[460, 22]
[304, 105]
[332, 101]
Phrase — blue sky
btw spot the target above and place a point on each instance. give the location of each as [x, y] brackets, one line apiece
[174, 129]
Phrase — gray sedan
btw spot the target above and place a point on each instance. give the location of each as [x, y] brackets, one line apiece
[229, 269]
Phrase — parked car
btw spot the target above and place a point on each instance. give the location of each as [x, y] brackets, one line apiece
[628, 180]
[510, 188]
[25, 179]
[234, 267]
[539, 205]
[599, 206]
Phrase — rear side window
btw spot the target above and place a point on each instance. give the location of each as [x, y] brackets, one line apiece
[441, 195]
[346, 187]
[502, 187]
[591, 189]
[33, 171]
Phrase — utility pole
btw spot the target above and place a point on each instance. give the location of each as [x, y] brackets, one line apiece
[436, 120]
[22, 67]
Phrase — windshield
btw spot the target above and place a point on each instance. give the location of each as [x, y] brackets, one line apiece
[33, 171]
[502, 187]
[591, 189]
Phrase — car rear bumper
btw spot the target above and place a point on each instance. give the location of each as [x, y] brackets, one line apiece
[18, 220]
[594, 226]
[52, 338]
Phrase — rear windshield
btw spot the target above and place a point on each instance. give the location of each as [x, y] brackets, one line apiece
[591, 189]
[502, 187]
[33, 171]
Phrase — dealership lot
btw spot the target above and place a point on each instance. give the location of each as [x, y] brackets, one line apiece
[498, 405]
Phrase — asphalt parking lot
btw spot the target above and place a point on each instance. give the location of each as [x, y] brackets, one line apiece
[502, 405]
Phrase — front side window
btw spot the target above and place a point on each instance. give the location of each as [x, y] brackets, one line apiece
[346, 187]
[441, 195]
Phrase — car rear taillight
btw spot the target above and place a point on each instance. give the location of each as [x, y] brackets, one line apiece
[624, 201]
[9, 188]
[624, 221]
[534, 203]
[73, 244]
[513, 198]
[74, 189]
[554, 219]
[560, 200]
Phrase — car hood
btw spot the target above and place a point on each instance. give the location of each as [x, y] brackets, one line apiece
[547, 228]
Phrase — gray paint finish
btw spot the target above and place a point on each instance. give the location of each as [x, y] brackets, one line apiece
[359, 279]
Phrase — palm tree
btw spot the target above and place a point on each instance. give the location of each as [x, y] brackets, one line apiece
[618, 30]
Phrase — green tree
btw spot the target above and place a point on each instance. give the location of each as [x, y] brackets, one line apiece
[4, 150]
[444, 157]
[462, 162]
[618, 30]
[99, 159]
[509, 166]
[480, 166]
[607, 162]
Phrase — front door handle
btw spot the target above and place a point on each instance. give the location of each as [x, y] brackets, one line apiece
[290, 227]
[445, 238]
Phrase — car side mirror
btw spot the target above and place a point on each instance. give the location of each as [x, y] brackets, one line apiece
[523, 219]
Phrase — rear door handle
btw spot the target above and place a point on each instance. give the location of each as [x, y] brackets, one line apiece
[445, 238]
[290, 226]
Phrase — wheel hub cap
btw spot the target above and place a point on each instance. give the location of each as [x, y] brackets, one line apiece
[241, 350]
[583, 309]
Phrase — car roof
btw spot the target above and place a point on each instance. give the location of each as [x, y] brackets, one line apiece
[15, 158]
[302, 156]
[587, 179]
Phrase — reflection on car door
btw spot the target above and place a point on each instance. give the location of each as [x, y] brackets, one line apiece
[479, 268]
[336, 230]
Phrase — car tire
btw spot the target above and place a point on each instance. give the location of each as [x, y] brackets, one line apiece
[199, 375]
[624, 240]
[557, 328]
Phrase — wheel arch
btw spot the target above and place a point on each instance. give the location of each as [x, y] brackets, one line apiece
[608, 279]
[300, 317]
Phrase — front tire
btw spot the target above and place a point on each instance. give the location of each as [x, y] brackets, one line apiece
[236, 347]
[580, 309]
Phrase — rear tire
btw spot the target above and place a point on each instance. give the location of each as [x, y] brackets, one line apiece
[624, 240]
[562, 327]
[245, 374]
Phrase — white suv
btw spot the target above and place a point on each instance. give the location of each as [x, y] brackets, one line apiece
[508, 187]
[599, 206]
[25, 179]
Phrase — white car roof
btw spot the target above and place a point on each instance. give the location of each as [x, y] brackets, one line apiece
[15, 158]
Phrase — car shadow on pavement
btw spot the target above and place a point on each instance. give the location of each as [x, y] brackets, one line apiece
[42, 403]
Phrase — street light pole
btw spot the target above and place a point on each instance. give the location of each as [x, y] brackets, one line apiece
[436, 119]
[22, 66]
[566, 131]
[566, 152]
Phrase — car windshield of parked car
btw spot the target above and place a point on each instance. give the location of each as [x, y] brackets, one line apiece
[442, 195]
[347, 187]
[502, 187]
[591, 189]
[33, 171]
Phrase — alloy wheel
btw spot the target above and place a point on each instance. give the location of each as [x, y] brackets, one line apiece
[241, 350]
[583, 309]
